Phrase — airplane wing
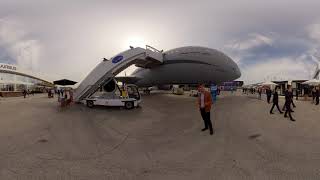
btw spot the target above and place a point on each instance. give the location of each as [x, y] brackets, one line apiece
[127, 79]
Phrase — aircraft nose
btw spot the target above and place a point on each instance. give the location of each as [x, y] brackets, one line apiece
[238, 72]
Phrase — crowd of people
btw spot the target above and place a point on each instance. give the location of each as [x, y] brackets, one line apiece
[248, 90]
[65, 96]
[288, 106]
[26, 92]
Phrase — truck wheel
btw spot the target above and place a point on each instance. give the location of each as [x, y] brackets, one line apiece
[90, 104]
[129, 105]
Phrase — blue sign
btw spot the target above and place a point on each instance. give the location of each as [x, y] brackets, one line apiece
[214, 89]
[117, 59]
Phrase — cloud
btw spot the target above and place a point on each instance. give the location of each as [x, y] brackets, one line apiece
[254, 40]
[17, 47]
[274, 56]
[299, 68]
[67, 39]
[314, 32]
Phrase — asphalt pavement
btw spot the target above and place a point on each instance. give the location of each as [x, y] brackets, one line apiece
[160, 140]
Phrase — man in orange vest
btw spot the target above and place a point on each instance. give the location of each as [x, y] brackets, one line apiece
[204, 102]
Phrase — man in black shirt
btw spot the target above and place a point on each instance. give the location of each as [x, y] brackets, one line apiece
[275, 101]
[290, 94]
[288, 103]
[24, 93]
[269, 93]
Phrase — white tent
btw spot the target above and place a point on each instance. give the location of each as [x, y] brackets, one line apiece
[312, 82]
[268, 83]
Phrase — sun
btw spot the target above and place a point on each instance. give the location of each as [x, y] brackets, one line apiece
[135, 41]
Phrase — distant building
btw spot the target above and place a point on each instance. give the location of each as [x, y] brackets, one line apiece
[227, 86]
[13, 80]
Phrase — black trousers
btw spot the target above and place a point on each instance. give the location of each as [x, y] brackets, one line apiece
[317, 100]
[268, 98]
[206, 119]
[275, 104]
[288, 110]
[285, 106]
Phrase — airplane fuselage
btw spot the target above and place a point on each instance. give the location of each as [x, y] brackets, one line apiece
[189, 65]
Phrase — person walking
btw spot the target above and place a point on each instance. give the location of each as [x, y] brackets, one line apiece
[24, 93]
[287, 92]
[313, 94]
[269, 93]
[71, 95]
[259, 91]
[62, 92]
[317, 94]
[52, 93]
[204, 102]
[288, 101]
[292, 97]
[275, 101]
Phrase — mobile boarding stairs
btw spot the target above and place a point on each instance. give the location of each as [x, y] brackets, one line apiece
[105, 71]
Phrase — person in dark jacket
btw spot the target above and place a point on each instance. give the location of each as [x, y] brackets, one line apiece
[288, 102]
[290, 94]
[24, 93]
[317, 96]
[275, 101]
[259, 91]
[313, 92]
[269, 93]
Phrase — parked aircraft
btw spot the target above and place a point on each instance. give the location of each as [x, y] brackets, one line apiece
[185, 65]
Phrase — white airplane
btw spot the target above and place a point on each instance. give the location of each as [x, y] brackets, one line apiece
[185, 65]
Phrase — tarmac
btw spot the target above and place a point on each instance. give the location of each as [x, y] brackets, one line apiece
[160, 140]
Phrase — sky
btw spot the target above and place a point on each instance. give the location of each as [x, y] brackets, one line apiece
[269, 40]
